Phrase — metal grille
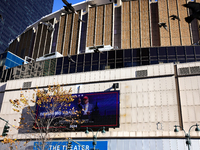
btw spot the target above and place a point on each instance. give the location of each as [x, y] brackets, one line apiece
[195, 70]
[184, 71]
[141, 73]
[27, 84]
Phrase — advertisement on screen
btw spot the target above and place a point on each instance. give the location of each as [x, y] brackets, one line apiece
[99, 109]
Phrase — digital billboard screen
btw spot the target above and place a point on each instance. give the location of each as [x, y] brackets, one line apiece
[95, 110]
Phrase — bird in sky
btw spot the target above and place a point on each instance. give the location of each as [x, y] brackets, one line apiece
[1, 17]
[173, 17]
[162, 24]
[195, 7]
[70, 59]
[49, 26]
[69, 7]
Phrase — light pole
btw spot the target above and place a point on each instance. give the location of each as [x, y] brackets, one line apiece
[187, 135]
[95, 135]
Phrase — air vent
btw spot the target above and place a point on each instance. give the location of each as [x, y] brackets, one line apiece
[27, 84]
[195, 70]
[141, 73]
[184, 71]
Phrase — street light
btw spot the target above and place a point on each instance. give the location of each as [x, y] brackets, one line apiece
[95, 135]
[187, 135]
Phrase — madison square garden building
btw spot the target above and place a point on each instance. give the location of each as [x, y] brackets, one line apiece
[144, 80]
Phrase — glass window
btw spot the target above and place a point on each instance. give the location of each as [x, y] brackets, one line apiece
[162, 51]
[189, 50]
[136, 53]
[171, 54]
[66, 65]
[145, 53]
[103, 60]
[73, 64]
[111, 59]
[59, 65]
[87, 66]
[127, 57]
[80, 63]
[119, 58]
[46, 68]
[197, 50]
[8, 74]
[153, 53]
[180, 51]
[95, 61]
[52, 67]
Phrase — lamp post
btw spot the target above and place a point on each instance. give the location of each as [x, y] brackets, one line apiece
[187, 135]
[95, 135]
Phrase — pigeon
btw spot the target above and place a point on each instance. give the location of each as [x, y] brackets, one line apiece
[80, 20]
[49, 26]
[162, 24]
[96, 50]
[173, 17]
[70, 59]
[195, 7]
[69, 7]
[1, 17]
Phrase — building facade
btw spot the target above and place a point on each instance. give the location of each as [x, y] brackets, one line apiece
[17, 16]
[157, 71]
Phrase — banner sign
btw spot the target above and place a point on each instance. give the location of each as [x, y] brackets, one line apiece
[99, 109]
[56, 145]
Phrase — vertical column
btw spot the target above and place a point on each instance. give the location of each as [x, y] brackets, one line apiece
[135, 24]
[108, 24]
[184, 26]
[43, 41]
[61, 34]
[144, 23]
[75, 34]
[37, 42]
[125, 26]
[91, 26]
[67, 35]
[99, 25]
[163, 18]
[174, 24]
[29, 42]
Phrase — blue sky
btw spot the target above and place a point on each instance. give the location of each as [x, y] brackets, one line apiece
[58, 4]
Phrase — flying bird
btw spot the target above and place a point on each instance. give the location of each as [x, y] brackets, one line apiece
[49, 26]
[1, 17]
[195, 7]
[69, 7]
[162, 24]
[80, 20]
[173, 17]
[70, 59]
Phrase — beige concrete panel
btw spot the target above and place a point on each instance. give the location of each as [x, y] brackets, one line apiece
[139, 100]
[146, 99]
[173, 114]
[128, 116]
[196, 97]
[134, 115]
[146, 114]
[185, 114]
[165, 113]
[122, 116]
[157, 85]
[171, 97]
[197, 112]
[133, 100]
[191, 113]
[158, 98]
[151, 99]
[164, 98]
[152, 114]
[189, 98]
[159, 116]
[140, 115]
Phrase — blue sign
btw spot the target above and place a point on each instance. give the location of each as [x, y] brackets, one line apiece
[62, 145]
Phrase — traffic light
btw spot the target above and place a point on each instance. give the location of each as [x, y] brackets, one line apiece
[69, 144]
[5, 129]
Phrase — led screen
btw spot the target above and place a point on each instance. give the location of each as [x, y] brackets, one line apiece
[95, 110]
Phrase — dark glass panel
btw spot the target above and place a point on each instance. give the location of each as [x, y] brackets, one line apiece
[73, 64]
[95, 67]
[80, 58]
[46, 67]
[65, 65]
[80, 68]
[52, 67]
[190, 60]
[197, 50]
[8, 74]
[119, 60]
[87, 66]
[136, 53]
[172, 60]
[163, 61]
[171, 51]
[145, 62]
[154, 52]
[189, 50]
[95, 57]
[180, 51]
[80, 63]
[145, 53]
[136, 63]
[154, 62]
[162, 51]
[59, 65]
[4, 76]
[103, 60]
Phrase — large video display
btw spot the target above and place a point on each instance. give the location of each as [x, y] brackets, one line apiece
[100, 109]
